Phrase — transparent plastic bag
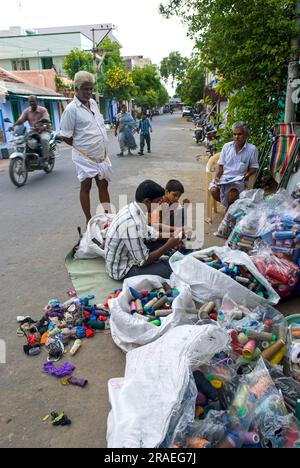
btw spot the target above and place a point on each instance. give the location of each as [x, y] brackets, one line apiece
[251, 400]
[248, 201]
[282, 274]
[275, 214]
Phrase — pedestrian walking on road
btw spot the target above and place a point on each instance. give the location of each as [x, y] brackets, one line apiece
[126, 125]
[83, 128]
[145, 128]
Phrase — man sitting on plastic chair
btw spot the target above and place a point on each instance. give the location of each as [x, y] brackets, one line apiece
[237, 164]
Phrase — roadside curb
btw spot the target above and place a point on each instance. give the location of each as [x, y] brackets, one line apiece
[4, 163]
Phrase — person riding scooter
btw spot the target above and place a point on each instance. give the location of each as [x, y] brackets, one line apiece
[39, 120]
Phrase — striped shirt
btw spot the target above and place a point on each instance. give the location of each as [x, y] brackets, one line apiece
[145, 127]
[125, 241]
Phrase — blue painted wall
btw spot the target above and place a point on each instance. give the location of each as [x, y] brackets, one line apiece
[6, 110]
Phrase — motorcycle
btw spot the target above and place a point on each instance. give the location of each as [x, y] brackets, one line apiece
[203, 127]
[27, 156]
[211, 142]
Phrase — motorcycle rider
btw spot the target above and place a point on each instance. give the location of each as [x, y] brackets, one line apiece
[39, 120]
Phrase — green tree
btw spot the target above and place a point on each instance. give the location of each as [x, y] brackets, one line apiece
[78, 61]
[118, 84]
[149, 88]
[191, 87]
[173, 67]
[113, 81]
[110, 53]
[248, 44]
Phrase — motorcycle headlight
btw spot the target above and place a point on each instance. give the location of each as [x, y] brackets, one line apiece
[19, 140]
[32, 143]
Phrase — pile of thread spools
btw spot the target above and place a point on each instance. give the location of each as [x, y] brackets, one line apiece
[237, 412]
[250, 339]
[153, 306]
[238, 404]
[243, 240]
[61, 323]
[282, 274]
[238, 273]
[281, 268]
[294, 341]
[286, 238]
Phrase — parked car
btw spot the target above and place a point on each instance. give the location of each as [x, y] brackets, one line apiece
[187, 111]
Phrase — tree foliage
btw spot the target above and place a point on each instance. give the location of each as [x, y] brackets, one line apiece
[150, 91]
[173, 67]
[119, 84]
[110, 53]
[248, 44]
[113, 81]
[78, 61]
[191, 87]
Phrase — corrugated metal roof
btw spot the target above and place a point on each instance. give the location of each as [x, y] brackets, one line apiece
[14, 85]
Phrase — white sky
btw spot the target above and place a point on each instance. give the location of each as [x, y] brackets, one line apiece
[141, 29]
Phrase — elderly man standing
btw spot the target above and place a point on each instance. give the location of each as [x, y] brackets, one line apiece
[238, 162]
[83, 128]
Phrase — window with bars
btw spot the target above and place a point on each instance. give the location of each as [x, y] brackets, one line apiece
[20, 65]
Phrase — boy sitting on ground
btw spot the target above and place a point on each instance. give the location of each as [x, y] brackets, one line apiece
[169, 217]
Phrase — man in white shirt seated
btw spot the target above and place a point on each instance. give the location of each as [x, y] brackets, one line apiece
[82, 127]
[238, 162]
[132, 247]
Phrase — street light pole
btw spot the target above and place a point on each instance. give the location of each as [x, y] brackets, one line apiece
[109, 30]
[293, 72]
[95, 64]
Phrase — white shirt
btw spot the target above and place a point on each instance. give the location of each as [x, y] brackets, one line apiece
[236, 164]
[86, 127]
[125, 241]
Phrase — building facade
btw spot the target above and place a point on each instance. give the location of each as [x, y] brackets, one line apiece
[136, 61]
[46, 48]
[14, 94]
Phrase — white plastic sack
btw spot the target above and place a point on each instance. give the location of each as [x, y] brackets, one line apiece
[130, 332]
[156, 380]
[208, 284]
[93, 241]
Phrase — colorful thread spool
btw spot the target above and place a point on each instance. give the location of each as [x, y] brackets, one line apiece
[135, 294]
[160, 302]
[197, 443]
[156, 323]
[260, 336]
[271, 352]
[150, 304]
[250, 438]
[163, 313]
[77, 345]
[161, 293]
[277, 359]
[205, 310]
[139, 307]
[249, 350]
[228, 443]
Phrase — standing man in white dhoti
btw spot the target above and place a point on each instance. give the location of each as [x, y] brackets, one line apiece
[83, 128]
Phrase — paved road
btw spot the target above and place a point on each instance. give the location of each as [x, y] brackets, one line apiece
[38, 229]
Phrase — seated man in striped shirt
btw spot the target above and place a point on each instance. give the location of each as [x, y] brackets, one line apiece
[129, 251]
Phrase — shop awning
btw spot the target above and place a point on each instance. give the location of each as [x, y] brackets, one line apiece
[50, 98]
